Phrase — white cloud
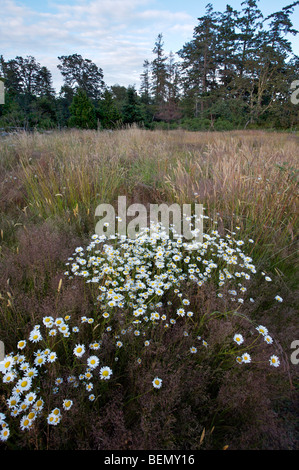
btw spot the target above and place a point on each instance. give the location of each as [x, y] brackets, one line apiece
[163, 15]
[118, 35]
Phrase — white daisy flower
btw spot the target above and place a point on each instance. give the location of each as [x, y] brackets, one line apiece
[67, 404]
[246, 358]
[274, 361]
[268, 339]
[238, 338]
[79, 350]
[93, 362]
[157, 383]
[262, 330]
[105, 373]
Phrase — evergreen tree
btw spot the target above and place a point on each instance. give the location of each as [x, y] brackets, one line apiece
[147, 104]
[266, 68]
[159, 74]
[44, 86]
[82, 112]
[226, 44]
[145, 87]
[119, 94]
[168, 110]
[249, 24]
[108, 114]
[132, 111]
[199, 62]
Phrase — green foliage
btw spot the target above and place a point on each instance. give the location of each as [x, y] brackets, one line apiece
[196, 124]
[132, 111]
[82, 111]
[108, 114]
[82, 74]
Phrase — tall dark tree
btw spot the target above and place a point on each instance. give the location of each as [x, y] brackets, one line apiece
[249, 24]
[281, 25]
[119, 94]
[44, 83]
[9, 71]
[132, 111]
[159, 73]
[79, 73]
[169, 110]
[24, 75]
[145, 87]
[226, 45]
[82, 112]
[265, 71]
[199, 61]
[107, 112]
[26, 80]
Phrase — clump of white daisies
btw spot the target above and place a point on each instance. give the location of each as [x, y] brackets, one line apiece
[23, 372]
[132, 276]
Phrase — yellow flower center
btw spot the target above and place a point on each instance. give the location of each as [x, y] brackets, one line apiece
[105, 373]
[24, 383]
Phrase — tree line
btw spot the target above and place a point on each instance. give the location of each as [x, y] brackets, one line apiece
[235, 72]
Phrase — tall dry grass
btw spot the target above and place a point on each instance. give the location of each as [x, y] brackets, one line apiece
[250, 179]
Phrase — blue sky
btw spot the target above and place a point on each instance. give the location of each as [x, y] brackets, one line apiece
[118, 35]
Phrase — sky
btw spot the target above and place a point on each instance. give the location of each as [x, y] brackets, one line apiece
[117, 35]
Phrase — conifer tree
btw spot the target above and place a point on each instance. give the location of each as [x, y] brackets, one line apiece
[145, 87]
[82, 112]
[159, 73]
[199, 61]
[132, 111]
[108, 114]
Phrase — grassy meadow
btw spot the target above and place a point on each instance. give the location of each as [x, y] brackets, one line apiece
[206, 398]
